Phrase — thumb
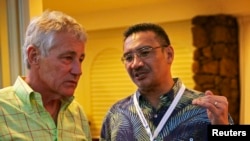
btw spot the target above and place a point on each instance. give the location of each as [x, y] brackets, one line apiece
[208, 92]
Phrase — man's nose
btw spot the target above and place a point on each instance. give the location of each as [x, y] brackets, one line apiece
[76, 68]
[136, 60]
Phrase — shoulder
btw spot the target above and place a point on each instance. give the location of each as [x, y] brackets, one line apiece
[76, 109]
[121, 108]
[6, 90]
[192, 94]
[75, 106]
[186, 105]
[7, 93]
[123, 103]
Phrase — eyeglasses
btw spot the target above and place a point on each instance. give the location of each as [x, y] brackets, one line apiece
[142, 52]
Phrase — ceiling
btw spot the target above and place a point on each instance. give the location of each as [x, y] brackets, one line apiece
[103, 14]
[75, 7]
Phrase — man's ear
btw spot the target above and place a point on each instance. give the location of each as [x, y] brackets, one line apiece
[33, 55]
[170, 54]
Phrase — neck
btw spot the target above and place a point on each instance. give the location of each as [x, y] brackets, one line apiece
[53, 108]
[153, 94]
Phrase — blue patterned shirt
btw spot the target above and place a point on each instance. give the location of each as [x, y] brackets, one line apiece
[187, 121]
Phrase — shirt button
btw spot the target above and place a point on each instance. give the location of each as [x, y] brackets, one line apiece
[155, 116]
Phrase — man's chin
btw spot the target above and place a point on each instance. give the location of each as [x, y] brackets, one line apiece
[140, 84]
[68, 92]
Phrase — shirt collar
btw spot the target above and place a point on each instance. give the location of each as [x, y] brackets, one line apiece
[165, 98]
[27, 94]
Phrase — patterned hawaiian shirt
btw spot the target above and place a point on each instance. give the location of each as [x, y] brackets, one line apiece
[187, 122]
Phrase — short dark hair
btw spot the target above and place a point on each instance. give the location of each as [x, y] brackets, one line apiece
[157, 29]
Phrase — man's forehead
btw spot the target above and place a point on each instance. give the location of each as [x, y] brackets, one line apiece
[133, 37]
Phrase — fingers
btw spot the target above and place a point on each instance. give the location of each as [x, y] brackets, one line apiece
[211, 101]
[207, 101]
[217, 107]
[208, 92]
[216, 104]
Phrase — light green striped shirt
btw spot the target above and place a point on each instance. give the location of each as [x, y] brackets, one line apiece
[23, 117]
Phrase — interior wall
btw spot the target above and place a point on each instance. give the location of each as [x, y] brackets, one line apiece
[97, 42]
[4, 50]
[167, 11]
[244, 23]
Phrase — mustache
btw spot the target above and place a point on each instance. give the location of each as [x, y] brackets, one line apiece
[140, 70]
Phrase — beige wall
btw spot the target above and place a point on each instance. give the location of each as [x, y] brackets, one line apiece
[36, 7]
[244, 24]
[4, 57]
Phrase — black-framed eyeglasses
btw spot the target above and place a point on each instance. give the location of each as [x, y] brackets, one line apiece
[142, 52]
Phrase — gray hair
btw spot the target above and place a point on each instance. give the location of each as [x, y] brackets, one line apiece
[41, 31]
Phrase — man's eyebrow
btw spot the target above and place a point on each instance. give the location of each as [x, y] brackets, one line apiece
[69, 52]
[142, 47]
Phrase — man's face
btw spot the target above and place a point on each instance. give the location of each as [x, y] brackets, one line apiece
[146, 70]
[60, 71]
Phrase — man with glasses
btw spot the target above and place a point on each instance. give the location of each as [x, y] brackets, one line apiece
[162, 108]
